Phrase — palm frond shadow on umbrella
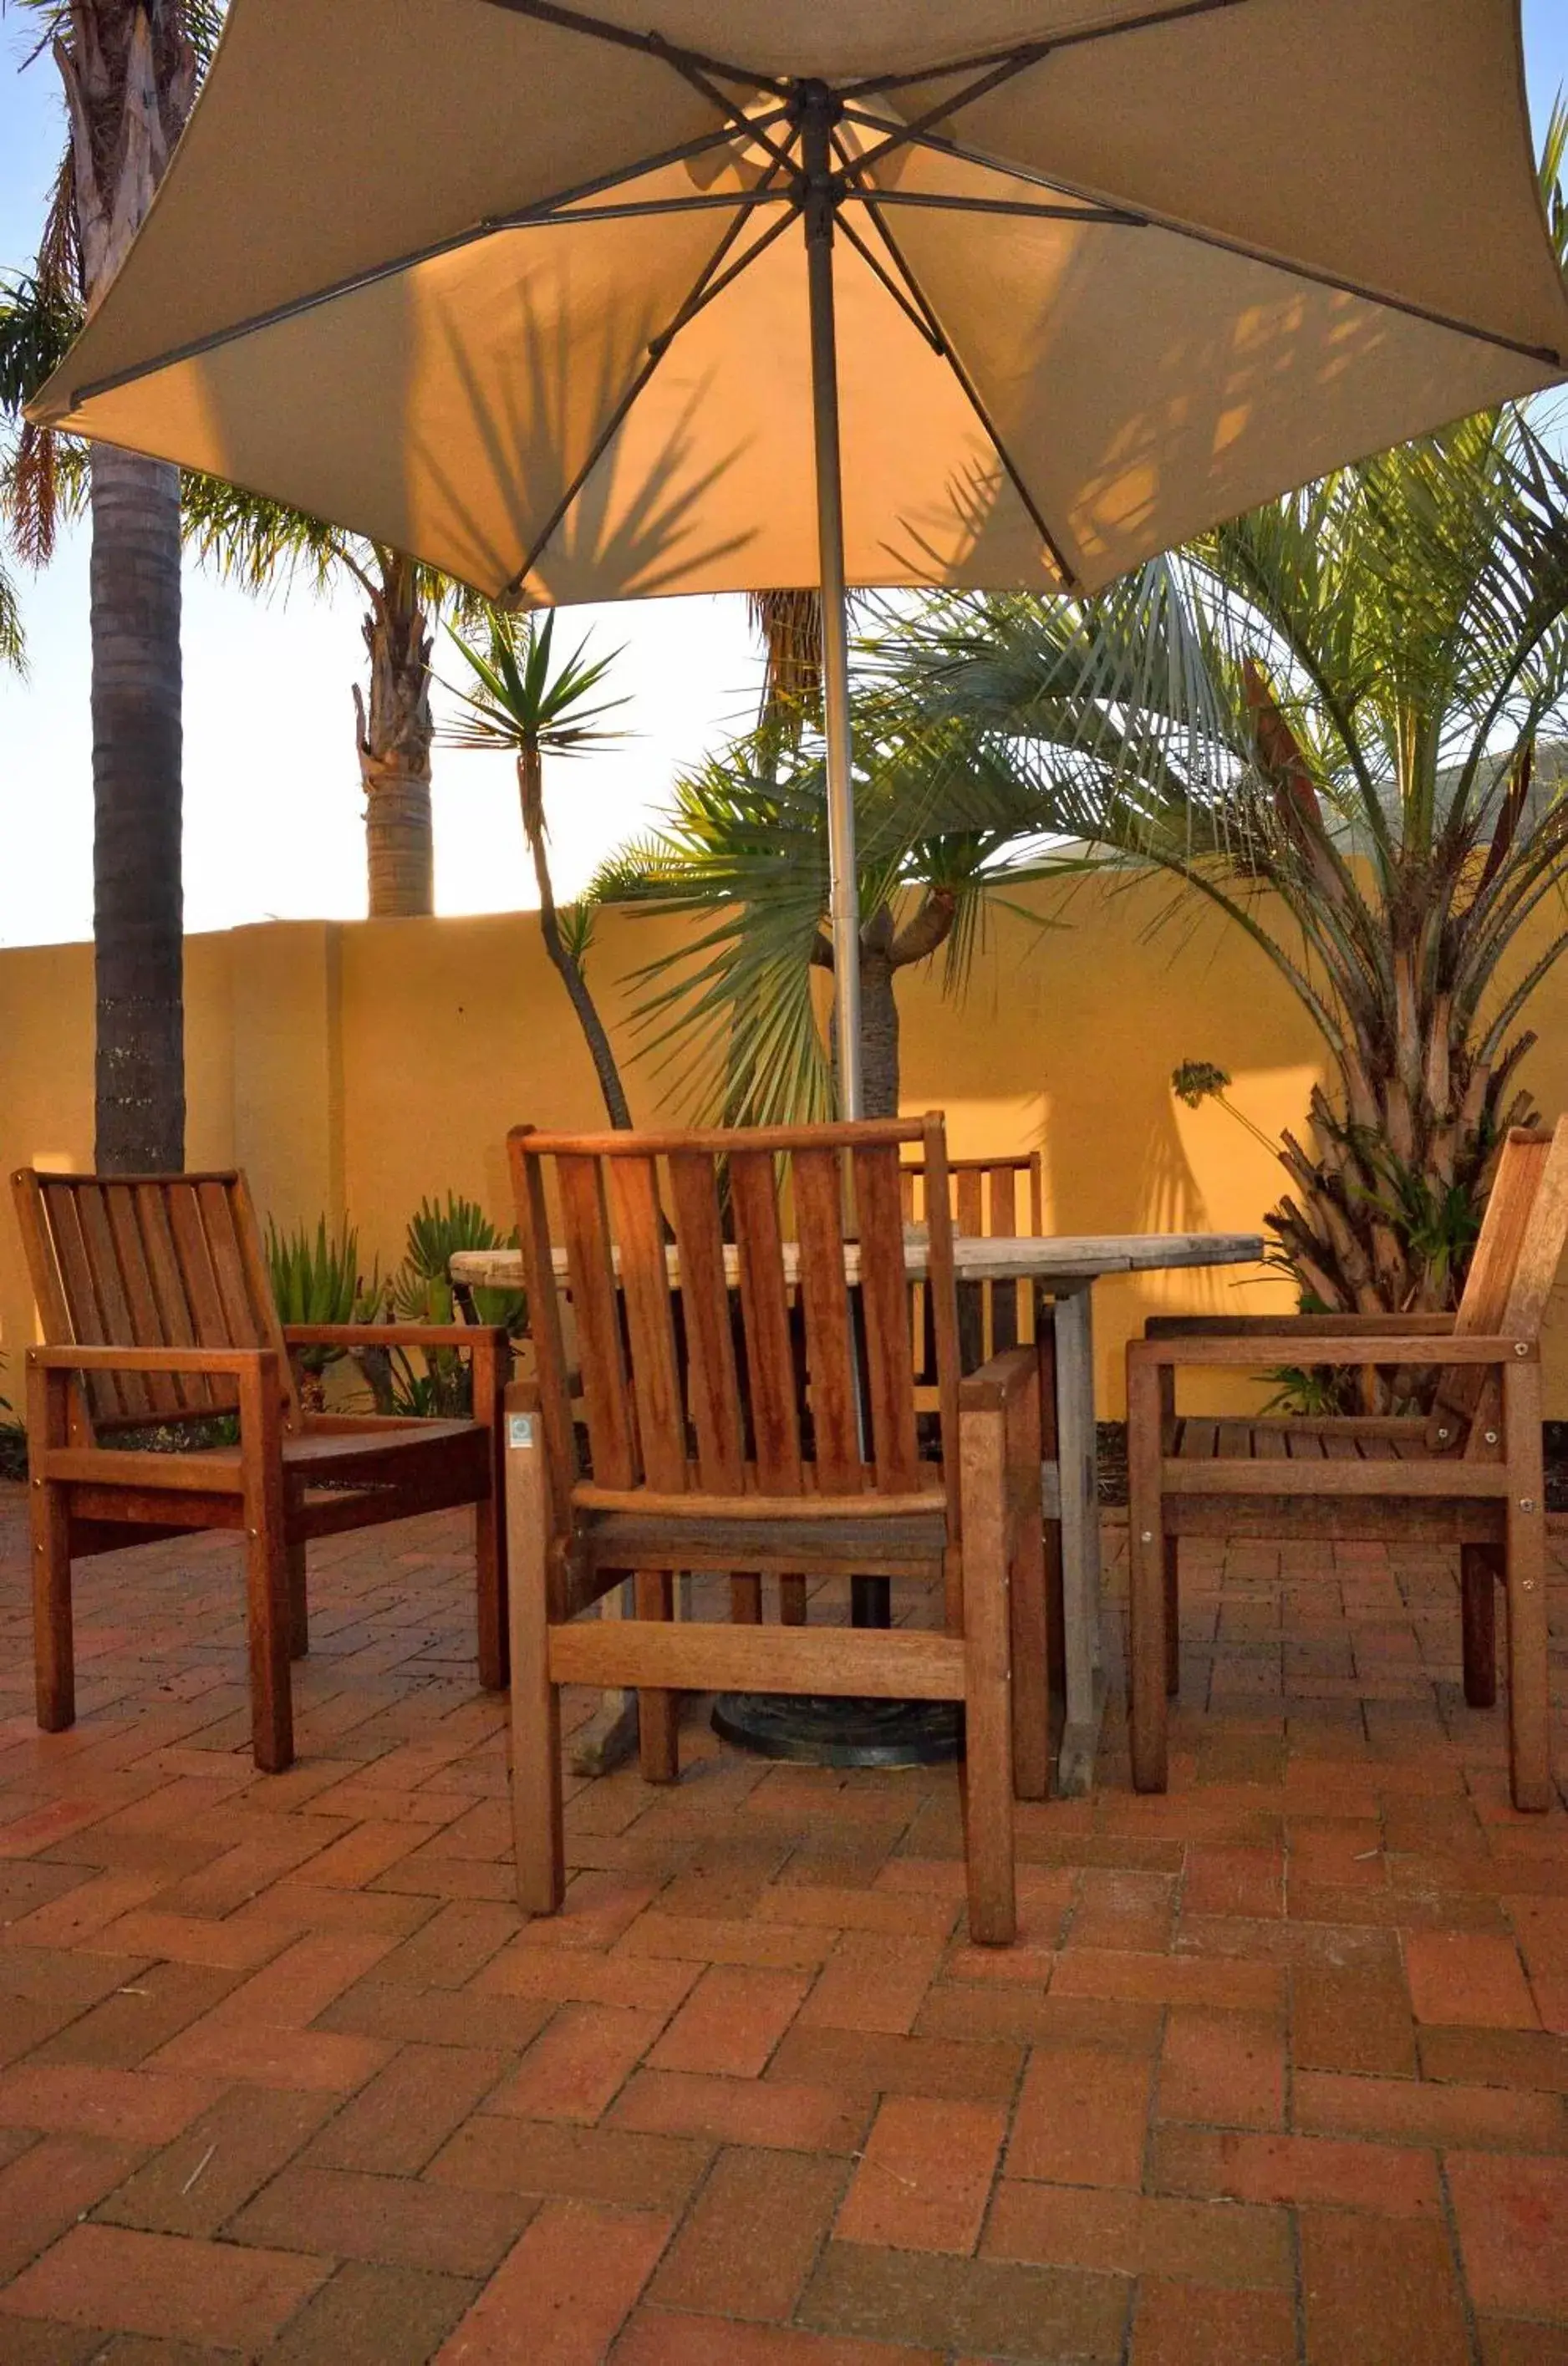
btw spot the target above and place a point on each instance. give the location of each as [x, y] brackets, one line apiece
[609, 544]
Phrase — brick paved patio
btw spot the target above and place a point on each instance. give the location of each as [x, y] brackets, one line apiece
[1276, 2073]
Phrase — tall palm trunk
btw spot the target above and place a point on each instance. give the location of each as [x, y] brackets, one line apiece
[395, 732]
[130, 75]
[884, 950]
[138, 900]
[531, 791]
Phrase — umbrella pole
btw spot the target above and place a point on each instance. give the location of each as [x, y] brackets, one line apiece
[843, 888]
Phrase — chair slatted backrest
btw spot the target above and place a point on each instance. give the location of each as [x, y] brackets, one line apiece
[985, 1195]
[1511, 1272]
[690, 1376]
[149, 1261]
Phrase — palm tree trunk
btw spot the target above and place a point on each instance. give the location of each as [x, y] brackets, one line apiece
[137, 901]
[394, 739]
[129, 73]
[878, 1033]
[531, 791]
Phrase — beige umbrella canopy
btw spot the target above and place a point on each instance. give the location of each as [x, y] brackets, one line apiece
[681, 296]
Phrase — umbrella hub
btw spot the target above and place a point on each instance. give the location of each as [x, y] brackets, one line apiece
[817, 109]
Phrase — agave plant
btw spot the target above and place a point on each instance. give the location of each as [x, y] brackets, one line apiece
[421, 1291]
[316, 1278]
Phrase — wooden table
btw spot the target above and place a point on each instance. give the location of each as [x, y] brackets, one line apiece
[1064, 1269]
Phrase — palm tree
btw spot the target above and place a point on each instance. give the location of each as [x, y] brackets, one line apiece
[743, 855]
[258, 544]
[130, 71]
[1338, 721]
[525, 703]
[12, 645]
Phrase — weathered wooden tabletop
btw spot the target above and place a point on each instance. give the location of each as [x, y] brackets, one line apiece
[1059, 1257]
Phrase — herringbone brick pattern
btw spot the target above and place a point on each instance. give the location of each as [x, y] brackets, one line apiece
[1276, 2073]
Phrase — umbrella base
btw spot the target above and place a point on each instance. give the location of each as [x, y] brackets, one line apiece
[818, 1731]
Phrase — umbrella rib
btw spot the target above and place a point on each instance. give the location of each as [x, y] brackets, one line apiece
[938, 202]
[704, 286]
[1219, 239]
[1003, 70]
[1065, 568]
[622, 36]
[547, 210]
[743, 123]
[717, 287]
[931, 335]
[1148, 21]
[636, 208]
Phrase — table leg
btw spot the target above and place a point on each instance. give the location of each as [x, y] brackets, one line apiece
[1085, 1683]
[610, 1736]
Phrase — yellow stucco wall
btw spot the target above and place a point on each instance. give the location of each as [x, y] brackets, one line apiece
[360, 1067]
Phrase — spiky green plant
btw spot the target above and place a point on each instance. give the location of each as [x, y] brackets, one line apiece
[437, 1381]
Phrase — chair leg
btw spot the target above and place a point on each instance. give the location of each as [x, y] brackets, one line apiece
[791, 1602]
[1145, 1535]
[298, 1604]
[268, 1606]
[746, 1600]
[658, 1712]
[1172, 1618]
[270, 1622]
[48, 1524]
[1029, 1612]
[987, 1698]
[537, 1837]
[490, 1588]
[54, 1657]
[1478, 1623]
[1530, 1683]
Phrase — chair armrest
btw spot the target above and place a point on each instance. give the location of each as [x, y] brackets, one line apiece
[232, 1363]
[395, 1335]
[998, 1383]
[1296, 1326]
[1377, 1347]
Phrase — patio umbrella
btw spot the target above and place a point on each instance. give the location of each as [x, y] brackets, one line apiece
[679, 296]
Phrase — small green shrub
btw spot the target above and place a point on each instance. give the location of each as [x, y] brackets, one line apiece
[440, 1384]
[316, 1278]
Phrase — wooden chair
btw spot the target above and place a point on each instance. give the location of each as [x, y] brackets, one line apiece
[698, 1458]
[984, 1196]
[1469, 1474]
[156, 1307]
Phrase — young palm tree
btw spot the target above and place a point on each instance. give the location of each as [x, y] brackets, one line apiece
[526, 705]
[130, 71]
[743, 854]
[1338, 720]
[1341, 720]
[261, 543]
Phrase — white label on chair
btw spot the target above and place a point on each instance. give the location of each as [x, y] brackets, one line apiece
[520, 1430]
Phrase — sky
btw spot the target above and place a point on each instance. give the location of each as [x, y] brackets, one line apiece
[274, 825]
